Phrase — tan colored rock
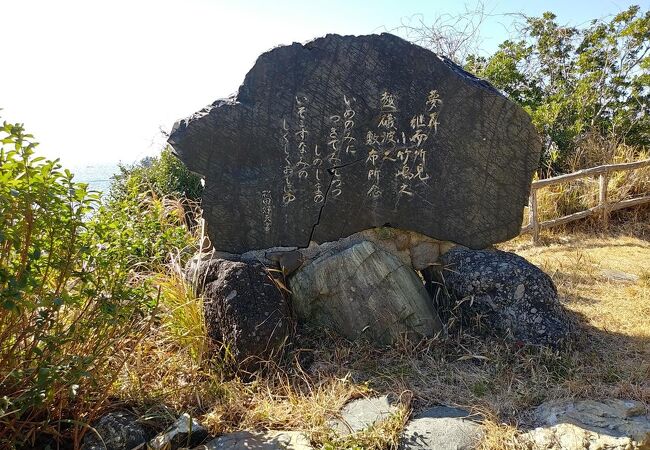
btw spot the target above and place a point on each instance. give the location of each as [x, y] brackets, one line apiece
[424, 254]
[402, 241]
[397, 242]
[411, 248]
[446, 246]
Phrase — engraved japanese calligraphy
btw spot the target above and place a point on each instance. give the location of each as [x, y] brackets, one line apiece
[347, 133]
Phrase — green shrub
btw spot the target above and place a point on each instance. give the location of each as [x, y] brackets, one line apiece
[75, 297]
[161, 175]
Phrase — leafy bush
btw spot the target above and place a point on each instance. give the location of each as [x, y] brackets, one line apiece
[578, 82]
[74, 295]
[161, 175]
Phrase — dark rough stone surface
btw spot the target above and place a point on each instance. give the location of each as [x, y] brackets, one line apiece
[513, 296]
[114, 431]
[252, 440]
[295, 155]
[245, 309]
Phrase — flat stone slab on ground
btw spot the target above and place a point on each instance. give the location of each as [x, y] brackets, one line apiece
[590, 424]
[268, 440]
[441, 428]
[620, 277]
[362, 413]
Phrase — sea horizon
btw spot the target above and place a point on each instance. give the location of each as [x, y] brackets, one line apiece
[98, 175]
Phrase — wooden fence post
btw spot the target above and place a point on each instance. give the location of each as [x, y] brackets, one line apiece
[532, 213]
[602, 198]
[604, 207]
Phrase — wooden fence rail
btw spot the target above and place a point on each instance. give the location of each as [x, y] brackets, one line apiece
[604, 207]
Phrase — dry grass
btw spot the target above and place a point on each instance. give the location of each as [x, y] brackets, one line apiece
[578, 195]
[321, 372]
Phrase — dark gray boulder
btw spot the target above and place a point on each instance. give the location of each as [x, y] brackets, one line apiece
[346, 133]
[512, 296]
[114, 431]
[245, 310]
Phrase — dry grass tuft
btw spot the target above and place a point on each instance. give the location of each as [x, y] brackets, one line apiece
[320, 372]
[500, 436]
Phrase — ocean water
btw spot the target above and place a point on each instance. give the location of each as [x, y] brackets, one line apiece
[98, 176]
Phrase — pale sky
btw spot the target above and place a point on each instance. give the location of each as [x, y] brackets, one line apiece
[94, 81]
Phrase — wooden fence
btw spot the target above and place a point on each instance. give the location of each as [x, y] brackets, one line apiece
[604, 207]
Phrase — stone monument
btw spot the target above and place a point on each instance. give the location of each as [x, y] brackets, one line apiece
[347, 133]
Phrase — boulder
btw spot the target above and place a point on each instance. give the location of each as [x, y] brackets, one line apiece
[361, 290]
[347, 133]
[268, 440]
[590, 425]
[362, 413]
[511, 295]
[245, 310]
[115, 431]
[185, 432]
[442, 428]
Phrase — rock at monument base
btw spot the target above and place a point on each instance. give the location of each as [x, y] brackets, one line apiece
[410, 248]
[589, 424]
[362, 413]
[185, 432]
[347, 133]
[513, 296]
[363, 291]
[115, 431]
[245, 310]
[268, 440]
[441, 428]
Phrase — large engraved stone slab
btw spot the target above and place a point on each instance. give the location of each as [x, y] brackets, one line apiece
[347, 133]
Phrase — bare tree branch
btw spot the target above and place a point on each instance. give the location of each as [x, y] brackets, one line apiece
[455, 36]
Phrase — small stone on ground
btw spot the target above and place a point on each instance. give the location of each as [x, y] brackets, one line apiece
[269, 440]
[442, 428]
[620, 277]
[362, 413]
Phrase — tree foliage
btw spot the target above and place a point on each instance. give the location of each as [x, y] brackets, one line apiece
[579, 84]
